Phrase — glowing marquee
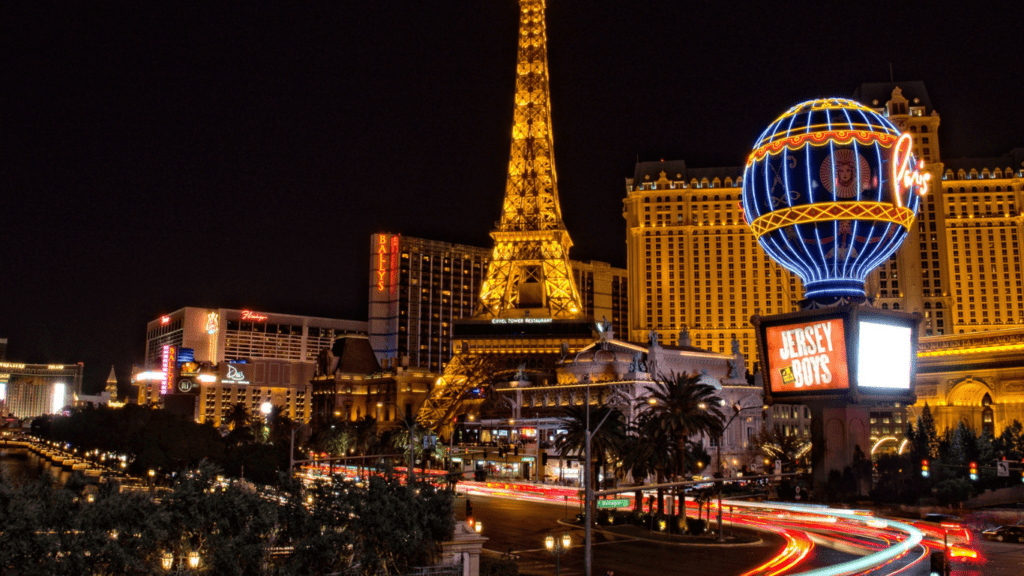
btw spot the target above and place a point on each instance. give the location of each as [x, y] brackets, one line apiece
[394, 264]
[903, 175]
[382, 262]
[253, 316]
[57, 400]
[808, 356]
[169, 361]
[213, 322]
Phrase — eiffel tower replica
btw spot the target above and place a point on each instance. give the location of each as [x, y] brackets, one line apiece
[529, 314]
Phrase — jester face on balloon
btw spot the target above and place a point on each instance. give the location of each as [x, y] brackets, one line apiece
[839, 173]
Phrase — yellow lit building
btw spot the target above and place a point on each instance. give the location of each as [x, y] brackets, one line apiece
[976, 378]
[419, 288]
[692, 261]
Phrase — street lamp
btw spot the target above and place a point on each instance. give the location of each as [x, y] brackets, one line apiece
[557, 548]
[721, 435]
[167, 560]
[478, 526]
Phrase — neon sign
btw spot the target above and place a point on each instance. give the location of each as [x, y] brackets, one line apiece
[903, 176]
[382, 262]
[521, 320]
[213, 322]
[394, 264]
[830, 191]
[234, 376]
[165, 320]
[169, 359]
[254, 316]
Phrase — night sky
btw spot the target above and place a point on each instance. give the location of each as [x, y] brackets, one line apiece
[240, 155]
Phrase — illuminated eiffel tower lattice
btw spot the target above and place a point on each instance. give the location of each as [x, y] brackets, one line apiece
[529, 272]
[529, 277]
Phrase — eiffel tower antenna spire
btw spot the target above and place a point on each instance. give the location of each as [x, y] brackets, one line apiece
[529, 273]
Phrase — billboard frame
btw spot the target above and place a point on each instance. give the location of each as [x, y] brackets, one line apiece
[851, 315]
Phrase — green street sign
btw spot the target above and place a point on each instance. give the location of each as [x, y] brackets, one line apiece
[612, 503]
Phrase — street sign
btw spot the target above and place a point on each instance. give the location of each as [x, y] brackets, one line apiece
[612, 503]
[1002, 469]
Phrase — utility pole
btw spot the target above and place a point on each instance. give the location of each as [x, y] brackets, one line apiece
[412, 453]
[588, 492]
[291, 454]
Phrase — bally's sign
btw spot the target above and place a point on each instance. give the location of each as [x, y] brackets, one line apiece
[235, 373]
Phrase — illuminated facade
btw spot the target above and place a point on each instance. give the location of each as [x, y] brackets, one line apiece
[30, 390]
[529, 272]
[695, 270]
[961, 268]
[349, 384]
[207, 393]
[219, 334]
[530, 309]
[619, 373]
[959, 265]
[419, 288]
[976, 378]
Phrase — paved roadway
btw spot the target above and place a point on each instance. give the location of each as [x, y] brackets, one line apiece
[522, 526]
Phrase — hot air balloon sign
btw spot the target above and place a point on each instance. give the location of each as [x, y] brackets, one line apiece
[830, 191]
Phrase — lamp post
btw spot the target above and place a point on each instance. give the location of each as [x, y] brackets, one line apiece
[588, 492]
[191, 561]
[721, 436]
[557, 547]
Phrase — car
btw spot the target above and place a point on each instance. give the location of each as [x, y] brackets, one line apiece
[1005, 533]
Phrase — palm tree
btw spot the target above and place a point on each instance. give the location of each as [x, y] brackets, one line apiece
[365, 438]
[648, 450]
[400, 440]
[239, 416]
[605, 441]
[681, 407]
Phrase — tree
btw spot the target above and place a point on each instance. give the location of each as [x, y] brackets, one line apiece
[238, 416]
[649, 450]
[605, 442]
[682, 407]
[926, 428]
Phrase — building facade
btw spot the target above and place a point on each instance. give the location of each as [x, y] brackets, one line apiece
[692, 261]
[350, 384]
[975, 378]
[208, 393]
[30, 390]
[219, 334]
[419, 287]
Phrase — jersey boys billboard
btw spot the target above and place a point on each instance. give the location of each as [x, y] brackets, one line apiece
[848, 351]
[808, 356]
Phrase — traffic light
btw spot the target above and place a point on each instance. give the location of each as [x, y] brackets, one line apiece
[924, 469]
[974, 470]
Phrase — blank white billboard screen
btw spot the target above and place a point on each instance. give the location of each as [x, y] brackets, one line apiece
[883, 356]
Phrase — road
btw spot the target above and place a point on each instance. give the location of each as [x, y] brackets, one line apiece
[803, 543]
[522, 526]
